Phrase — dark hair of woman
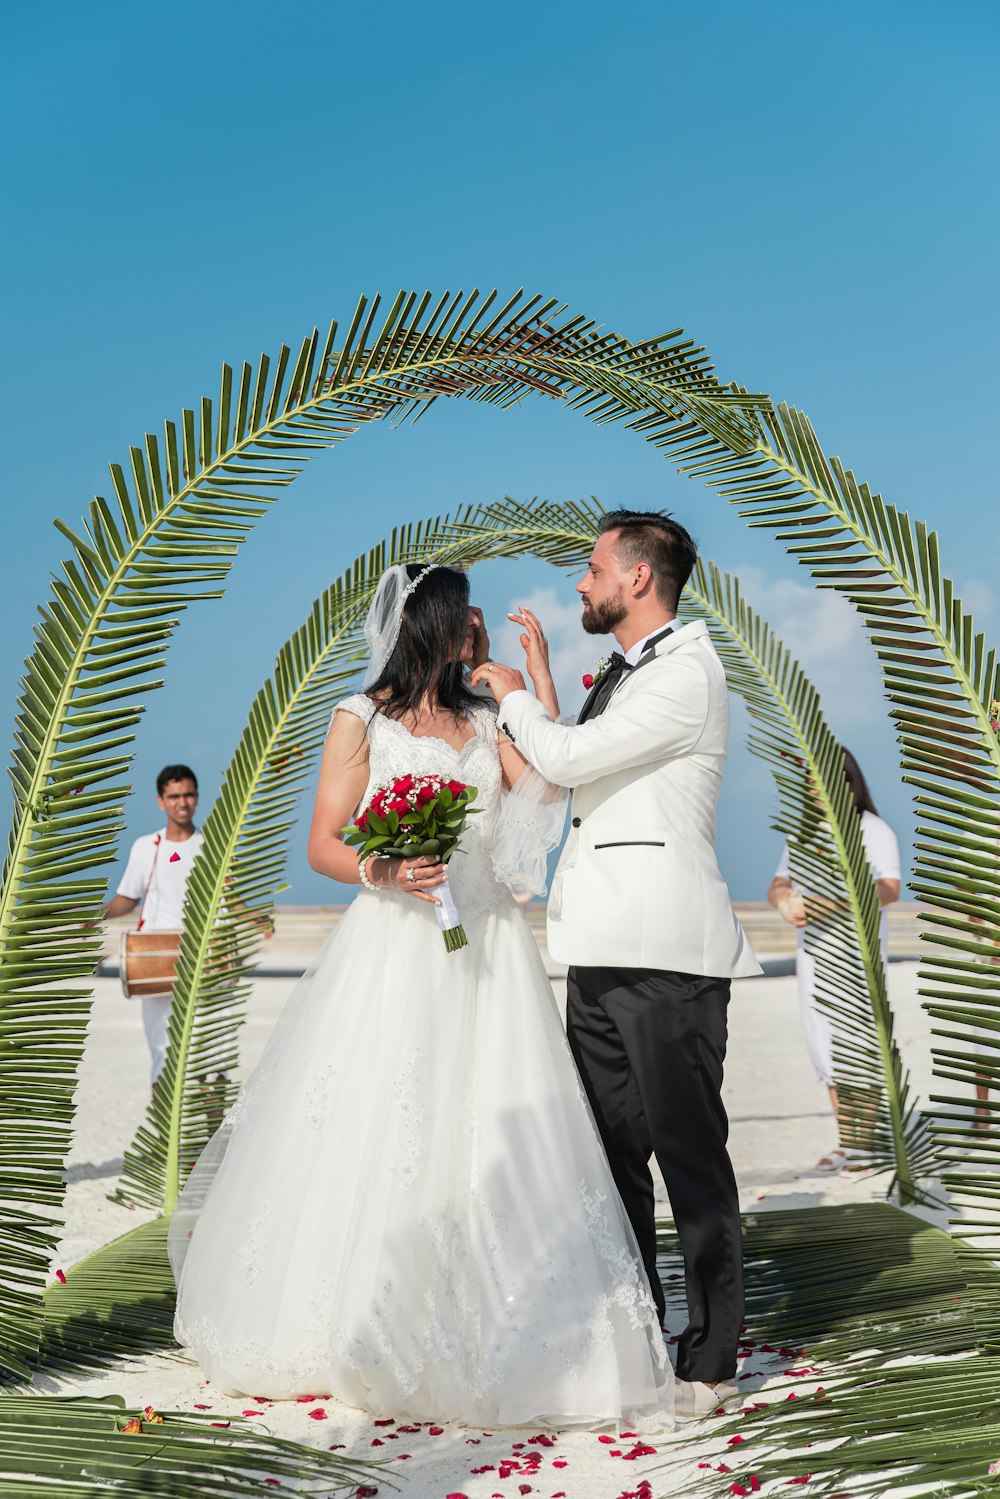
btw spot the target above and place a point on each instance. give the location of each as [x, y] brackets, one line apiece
[859, 786]
[424, 662]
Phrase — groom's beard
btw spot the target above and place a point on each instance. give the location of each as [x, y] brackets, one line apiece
[602, 619]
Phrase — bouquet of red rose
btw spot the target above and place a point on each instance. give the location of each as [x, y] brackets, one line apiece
[418, 815]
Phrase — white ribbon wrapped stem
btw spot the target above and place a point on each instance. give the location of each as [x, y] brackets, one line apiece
[447, 912]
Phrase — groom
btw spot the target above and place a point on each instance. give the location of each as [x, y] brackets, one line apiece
[640, 912]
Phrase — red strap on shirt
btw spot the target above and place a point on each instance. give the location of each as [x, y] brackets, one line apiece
[152, 871]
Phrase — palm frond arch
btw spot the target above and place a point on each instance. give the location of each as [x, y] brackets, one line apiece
[169, 535]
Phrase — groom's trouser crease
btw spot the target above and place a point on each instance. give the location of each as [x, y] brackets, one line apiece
[650, 1046]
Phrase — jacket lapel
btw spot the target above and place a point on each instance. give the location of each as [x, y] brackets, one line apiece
[589, 702]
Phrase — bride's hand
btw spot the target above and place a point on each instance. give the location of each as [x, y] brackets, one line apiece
[480, 638]
[394, 874]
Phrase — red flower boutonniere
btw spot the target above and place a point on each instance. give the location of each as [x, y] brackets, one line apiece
[591, 678]
[995, 715]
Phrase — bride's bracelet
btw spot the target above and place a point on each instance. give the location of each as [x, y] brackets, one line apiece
[363, 871]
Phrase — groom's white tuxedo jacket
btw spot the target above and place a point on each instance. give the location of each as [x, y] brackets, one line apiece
[638, 884]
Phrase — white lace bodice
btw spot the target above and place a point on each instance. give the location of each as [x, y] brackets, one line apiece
[393, 751]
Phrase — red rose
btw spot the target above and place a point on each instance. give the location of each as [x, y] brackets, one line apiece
[425, 794]
[456, 788]
[404, 784]
[399, 804]
[588, 680]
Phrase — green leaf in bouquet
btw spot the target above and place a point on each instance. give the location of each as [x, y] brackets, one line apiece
[430, 846]
[376, 823]
[393, 822]
[446, 798]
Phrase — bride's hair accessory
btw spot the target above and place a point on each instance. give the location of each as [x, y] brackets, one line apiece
[415, 582]
[385, 617]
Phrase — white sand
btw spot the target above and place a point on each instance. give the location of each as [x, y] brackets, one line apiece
[780, 1126]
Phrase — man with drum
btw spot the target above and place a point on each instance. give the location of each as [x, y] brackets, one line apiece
[155, 880]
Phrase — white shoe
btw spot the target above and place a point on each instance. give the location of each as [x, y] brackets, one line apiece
[693, 1399]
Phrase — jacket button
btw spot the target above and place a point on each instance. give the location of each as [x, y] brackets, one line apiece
[576, 822]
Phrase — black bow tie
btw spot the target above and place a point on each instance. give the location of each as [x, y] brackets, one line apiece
[617, 662]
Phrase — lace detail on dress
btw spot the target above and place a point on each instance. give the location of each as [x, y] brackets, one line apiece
[393, 751]
[316, 1098]
[629, 1290]
[413, 1117]
[250, 1251]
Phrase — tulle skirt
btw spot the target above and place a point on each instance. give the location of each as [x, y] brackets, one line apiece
[409, 1208]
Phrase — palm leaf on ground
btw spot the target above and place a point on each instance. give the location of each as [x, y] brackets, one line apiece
[71, 1449]
[826, 853]
[888, 1308]
[168, 536]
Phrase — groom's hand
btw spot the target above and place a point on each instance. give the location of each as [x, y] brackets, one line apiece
[499, 679]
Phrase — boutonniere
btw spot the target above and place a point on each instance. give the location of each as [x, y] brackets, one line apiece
[995, 715]
[591, 678]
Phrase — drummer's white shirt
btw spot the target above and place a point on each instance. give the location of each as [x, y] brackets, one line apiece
[165, 870]
[164, 867]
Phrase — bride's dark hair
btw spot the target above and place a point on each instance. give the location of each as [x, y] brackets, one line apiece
[432, 633]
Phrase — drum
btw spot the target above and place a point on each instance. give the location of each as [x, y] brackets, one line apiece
[148, 963]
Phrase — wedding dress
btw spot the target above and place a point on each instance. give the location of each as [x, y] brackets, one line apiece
[408, 1207]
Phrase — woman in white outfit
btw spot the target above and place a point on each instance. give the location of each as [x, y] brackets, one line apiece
[788, 898]
[409, 1208]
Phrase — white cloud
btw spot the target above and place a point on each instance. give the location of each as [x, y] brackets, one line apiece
[826, 636]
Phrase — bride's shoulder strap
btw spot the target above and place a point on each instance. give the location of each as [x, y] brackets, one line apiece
[359, 704]
[485, 715]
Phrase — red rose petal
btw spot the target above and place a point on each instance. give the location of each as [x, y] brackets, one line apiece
[60, 1277]
[202, 1407]
[319, 1414]
[253, 1413]
[735, 1441]
[436, 1431]
[606, 1440]
[386, 1422]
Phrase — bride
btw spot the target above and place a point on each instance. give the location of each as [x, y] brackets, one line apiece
[408, 1208]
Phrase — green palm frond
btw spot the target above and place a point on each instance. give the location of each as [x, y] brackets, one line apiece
[893, 1329]
[941, 680]
[823, 831]
[53, 1448]
[168, 536]
[116, 1303]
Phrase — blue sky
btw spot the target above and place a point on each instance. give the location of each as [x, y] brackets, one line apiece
[809, 189]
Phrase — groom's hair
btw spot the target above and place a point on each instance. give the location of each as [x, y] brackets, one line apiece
[651, 536]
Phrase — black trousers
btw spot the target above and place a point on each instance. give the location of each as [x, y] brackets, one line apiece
[650, 1046]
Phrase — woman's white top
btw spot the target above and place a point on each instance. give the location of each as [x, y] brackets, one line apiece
[882, 848]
